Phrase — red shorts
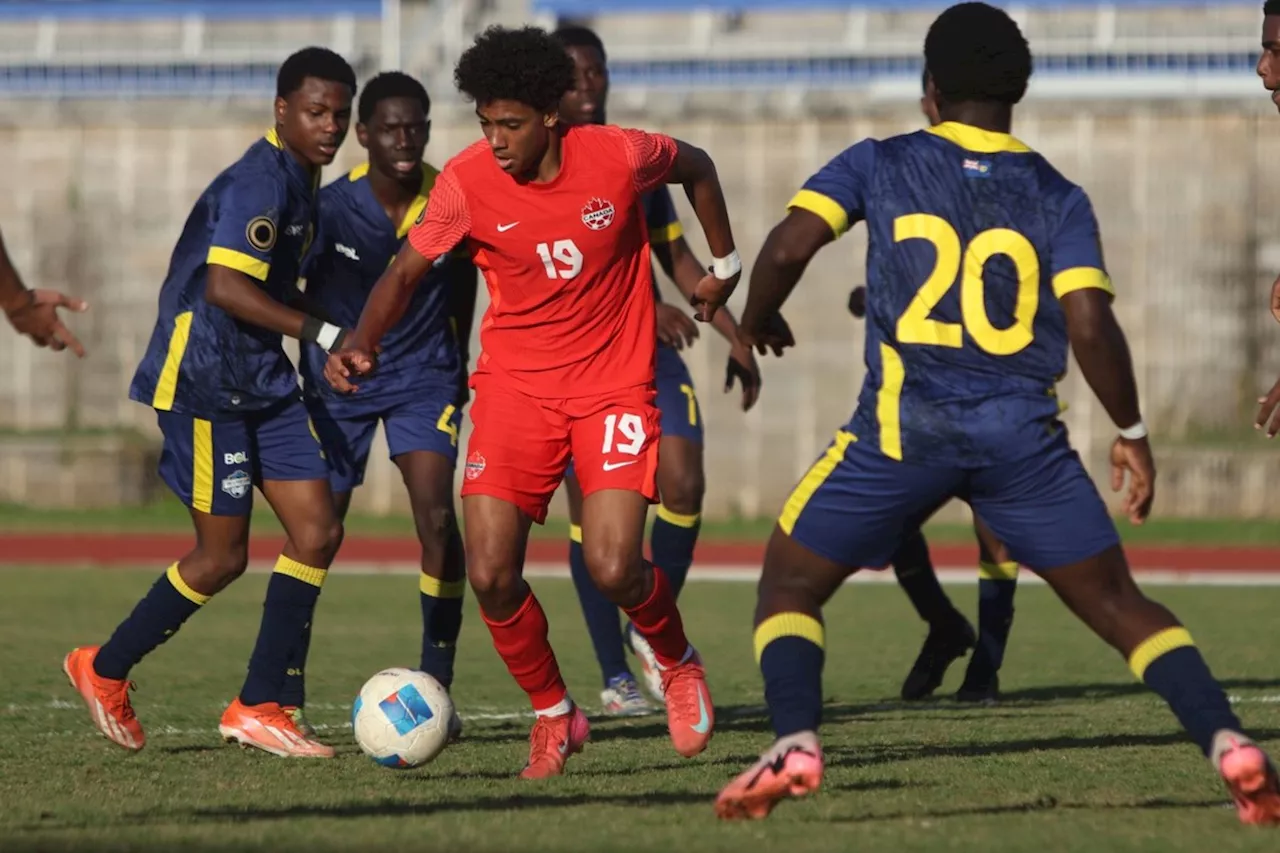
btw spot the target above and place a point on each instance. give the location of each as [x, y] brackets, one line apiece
[521, 445]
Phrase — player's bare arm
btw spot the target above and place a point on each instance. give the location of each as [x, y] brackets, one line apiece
[1103, 355]
[681, 265]
[694, 169]
[387, 303]
[34, 313]
[462, 308]
[238, 295]
[782, 260]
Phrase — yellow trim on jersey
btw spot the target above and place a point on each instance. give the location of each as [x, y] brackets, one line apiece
[1007, 571]
[300, 571]
[238, 261]
[445, 425]
[184, 589]
[575, 533]
[202, 466]
[1157, 646]
[429, 175]
[1082, 278]
[167, 383]
[889, 402]
[668, 233]
[436, 588]
[788, 625]
[816, 476]
[826, 207]
[274, 139]
[977, 140]
[678, 519]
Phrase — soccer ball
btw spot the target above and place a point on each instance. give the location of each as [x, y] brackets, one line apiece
[401, 718]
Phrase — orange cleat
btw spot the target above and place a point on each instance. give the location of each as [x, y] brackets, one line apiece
[269, 728]
[106, 698]
[791, 768]
[690, 713]
[552, 741]
[1250, 776]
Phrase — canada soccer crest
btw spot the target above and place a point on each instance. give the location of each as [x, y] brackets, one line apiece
[475, 466]
[597, 214]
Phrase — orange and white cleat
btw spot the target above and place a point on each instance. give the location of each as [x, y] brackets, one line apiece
[267, 727]
[553, 740]
[1250, 776]
[106, 698]
[791, 768]
[691, 716]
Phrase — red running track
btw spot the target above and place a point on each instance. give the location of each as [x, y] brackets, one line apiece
[140, 550]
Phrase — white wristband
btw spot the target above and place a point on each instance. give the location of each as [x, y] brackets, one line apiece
[327, 336]
[1135, 432]
[727, 267]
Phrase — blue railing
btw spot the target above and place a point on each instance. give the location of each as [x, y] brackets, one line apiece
[215, 9]
[596, 8]
[138, 81]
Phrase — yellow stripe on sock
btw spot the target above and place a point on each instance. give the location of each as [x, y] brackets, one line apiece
[300, 571]
[1157, 646]
[998, 571]
[184, 588]
[788, 625]
[437, 588]
[575, 533]
[688, 522]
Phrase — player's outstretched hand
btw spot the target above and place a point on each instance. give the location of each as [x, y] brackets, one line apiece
[772, 333]
[1135, 458]
[743, 368]
[346, 363]
[858, 301]
[675, 328]
[37, 318]
[711, 293]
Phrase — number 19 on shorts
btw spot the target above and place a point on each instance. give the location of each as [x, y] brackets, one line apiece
[623, 434]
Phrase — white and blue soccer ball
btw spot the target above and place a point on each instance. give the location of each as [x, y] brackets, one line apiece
[401, 718]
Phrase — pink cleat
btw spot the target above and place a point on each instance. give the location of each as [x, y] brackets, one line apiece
[792, 767]
[552, 741]
[691, 717]
[1250, 776]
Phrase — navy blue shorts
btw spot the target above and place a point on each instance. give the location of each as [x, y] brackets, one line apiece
[428, 421]
[855, 505]
[213, 465]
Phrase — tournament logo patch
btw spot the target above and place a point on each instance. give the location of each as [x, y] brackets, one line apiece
[237, 484]
[976, 168]
[261, 233]
[475, 466]
[597, 214]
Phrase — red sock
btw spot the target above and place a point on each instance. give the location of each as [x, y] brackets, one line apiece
[658, 620]
[521, 642]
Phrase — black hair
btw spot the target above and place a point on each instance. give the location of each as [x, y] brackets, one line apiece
[924, 79]
[1271, 7]
[391, 84]
[574, 35]
[525, 65]
[975, 52]
[318, 62]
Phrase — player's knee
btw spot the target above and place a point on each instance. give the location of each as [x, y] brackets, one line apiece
[436, 526]
[617, 572]
[213, 569]
[317, 542]
[682, 491]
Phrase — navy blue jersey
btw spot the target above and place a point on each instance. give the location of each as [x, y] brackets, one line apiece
[664, 225]
[256, 217]
[357, 241]
[973, 239]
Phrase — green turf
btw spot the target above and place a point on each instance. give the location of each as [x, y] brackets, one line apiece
[170, 516]
[1078, 759]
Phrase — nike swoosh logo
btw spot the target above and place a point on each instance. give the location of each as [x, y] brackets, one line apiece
[611, 466]
[564, 747]
[704, 721]
[503, 228]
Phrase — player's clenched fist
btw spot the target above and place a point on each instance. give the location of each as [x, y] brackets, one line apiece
[346, 363]
[712, 293]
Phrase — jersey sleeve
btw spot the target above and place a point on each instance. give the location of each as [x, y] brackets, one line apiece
[248, 224]
[838, 191]
[1076, 252]
[660, 216]
[445, 221]
[651, 157]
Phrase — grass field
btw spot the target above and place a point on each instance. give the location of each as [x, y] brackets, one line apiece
[171, 516]
[1078, 758]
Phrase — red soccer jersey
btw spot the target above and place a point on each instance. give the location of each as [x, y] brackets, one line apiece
[571, 310]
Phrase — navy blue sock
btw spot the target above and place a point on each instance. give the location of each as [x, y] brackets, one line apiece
[600, 613]
[913, 568]
[154, 619]
[293, 694]
[671, 543]
[789, 648]
[441, 623]
[997, 584]
[291, 601]
[1170, 664]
